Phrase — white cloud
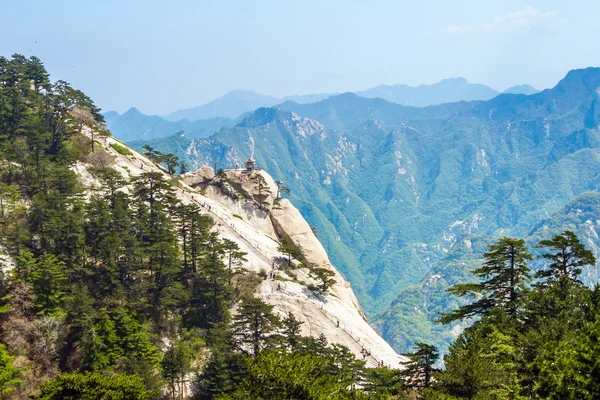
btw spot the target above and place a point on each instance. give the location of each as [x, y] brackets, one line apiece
[512, 21]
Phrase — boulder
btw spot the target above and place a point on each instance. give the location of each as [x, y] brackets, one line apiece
[202, 175]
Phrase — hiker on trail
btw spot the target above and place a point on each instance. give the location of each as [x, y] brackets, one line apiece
[338, 323]
[278, 286]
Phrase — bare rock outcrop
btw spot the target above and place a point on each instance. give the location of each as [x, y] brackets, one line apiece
[202, 175]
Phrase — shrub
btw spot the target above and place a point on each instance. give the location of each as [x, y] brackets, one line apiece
[246, 284]
[94, 386]
[124, 151]
[99, 159]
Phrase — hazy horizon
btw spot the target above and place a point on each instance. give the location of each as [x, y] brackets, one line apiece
[302, 94]
[160, 58]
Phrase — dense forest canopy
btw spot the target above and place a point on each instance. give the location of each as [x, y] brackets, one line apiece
[124, 292]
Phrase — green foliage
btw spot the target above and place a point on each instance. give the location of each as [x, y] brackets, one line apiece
[124, 151]
[419, 368]
[280, 375]
[262, 189]
[571, 370]
[235, 258]
[546, 350]
[171, 161]
[505, 272]
[93, 386]
[254, 326]
[325, 275]
[47, 275]
[289, 249]
[291, 331]
[9, 374]
[179, 359]
[480, 365]
[98, 282]
[281, 188]
[568, 257]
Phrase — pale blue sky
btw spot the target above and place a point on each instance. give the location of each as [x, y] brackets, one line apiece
[161, 56]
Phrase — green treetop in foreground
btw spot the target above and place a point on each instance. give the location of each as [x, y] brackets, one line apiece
[505, 273]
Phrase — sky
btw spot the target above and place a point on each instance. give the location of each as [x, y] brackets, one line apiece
[161, 56]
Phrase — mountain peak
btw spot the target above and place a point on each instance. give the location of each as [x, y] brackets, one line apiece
[245, 95]
[445, 91]
[230, 105]
[580, 79]
[522, 89]
[263, 116]
[132, 111]
[458, 80]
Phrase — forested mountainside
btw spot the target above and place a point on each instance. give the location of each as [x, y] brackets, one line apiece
[393, 191]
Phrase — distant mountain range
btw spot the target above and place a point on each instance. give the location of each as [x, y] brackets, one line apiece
[405, 199]
[202, 121]
[133, 125]
[238, 102]
[445, 91]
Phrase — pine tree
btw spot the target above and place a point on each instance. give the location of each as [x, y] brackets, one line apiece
[171, 161]
[211, 292]
[420, 365]
[291, 331]
[154, 205]
[48, 277]
[567, 256]
[281, 188]
[505, 272]
[234, 258]
[254, 326]
[571, 370]
[290, 249]
[480, 364]
[325, 275]
[263, 189]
